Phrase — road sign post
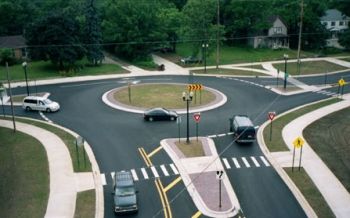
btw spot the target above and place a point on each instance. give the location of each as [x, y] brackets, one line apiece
[220, 176]
[79, 141]
[271, 116]
[178, 121]
[298, 143]
[197, 118]
[278, 73]
[301, 153]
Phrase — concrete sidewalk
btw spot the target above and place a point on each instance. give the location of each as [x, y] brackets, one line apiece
[64, 183]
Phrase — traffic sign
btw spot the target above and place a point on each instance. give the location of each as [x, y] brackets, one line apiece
[80, 141]
[220, 174]
[197, 117]
[194, 87]
[298, 142]
[178, 120]
[272, 115]
[341, 82]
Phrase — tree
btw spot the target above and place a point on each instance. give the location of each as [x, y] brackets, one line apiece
[58, 41]
[344, 39]
[132, 27]
[92, 34]
[6, 55]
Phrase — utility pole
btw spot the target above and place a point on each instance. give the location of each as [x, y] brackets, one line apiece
[300, 30]
[217, 36]
[13, 113]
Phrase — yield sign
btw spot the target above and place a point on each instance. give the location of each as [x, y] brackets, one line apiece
[272, 115]
[298, 142]
[197, 117]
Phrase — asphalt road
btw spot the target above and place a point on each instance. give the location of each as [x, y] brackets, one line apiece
[115, 137]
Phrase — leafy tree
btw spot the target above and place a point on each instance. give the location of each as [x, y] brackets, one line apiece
[6, 55]
[344, 39]
[132, 26]
[58, 41]
[92, 34]
[179, 3]
[8, 18]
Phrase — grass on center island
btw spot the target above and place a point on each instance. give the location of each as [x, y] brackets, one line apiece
[310, 67]
[24, 170]
[277, 142]
[193, 149]
[161, 95]
[223, 71]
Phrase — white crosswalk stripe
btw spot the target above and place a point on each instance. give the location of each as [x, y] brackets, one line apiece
[144, 173]
[165, 171]
[154, 171]
[245, 161]
[235, 161]
[103, 179]
[264, 161]
[174, 169]
[226, 163]
[112, 174]
[134, 175]
[255, 161]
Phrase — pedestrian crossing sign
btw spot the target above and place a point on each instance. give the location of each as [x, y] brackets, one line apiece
[341, 82]
[298, 142]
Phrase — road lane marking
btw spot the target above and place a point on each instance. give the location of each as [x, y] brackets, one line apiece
[134, 175]
[174, 169]
[154, 151]
[246, 163]
[220, 135]
[144, 173]
[165, 171]
[161, 198]
[265, 161]
[226, 163]
[86, 84]
[212, 136]
[145, 157]
[44, 117]
[154, 171]
[235, 161]
[197, 215]
[172, 184]
[103, 179]
[255, 161]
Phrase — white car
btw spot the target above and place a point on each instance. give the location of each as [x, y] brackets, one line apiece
[39, 103]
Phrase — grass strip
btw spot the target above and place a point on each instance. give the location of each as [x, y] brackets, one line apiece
[222, 71]
[311, 67]
[193, 149]
[277, 143]
[85, 205]
[68, 140]
[310, 192]
[24, 170]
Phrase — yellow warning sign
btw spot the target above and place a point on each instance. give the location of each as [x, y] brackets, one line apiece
[298, 142]
[341, 82]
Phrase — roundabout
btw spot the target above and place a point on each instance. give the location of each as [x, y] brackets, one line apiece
[140, 97]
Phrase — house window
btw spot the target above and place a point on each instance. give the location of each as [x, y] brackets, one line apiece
[333, 23]
[341, 23]
[277, 30]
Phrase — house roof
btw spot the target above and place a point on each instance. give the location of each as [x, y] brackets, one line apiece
[334, 15]
[272, 19]
[12, 41]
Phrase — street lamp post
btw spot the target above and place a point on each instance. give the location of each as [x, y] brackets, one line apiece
[188, 98]
[285, 56]
[205, 46]
[24, 64]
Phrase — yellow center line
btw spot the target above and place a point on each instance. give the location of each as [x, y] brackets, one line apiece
[196, 215]
[154, 151]
[143, 156]
[161, 198]
[165, 198]
[172, 184]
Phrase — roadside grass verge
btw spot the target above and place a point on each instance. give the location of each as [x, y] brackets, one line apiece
[161, 95]
[194, 149]
[329, 137]
[277, 143]
[222, 71]
[45, 70]
[24, 170]
[310, 192]
[310, 67]
[83, 199]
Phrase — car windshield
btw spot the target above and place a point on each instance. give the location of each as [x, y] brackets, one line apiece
[47, 101]
[125, 191]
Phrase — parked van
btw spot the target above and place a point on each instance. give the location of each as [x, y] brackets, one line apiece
[40, 104]
[243, 129]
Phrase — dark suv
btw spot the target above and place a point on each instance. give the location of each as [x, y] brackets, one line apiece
[243, 129]
[124, 193]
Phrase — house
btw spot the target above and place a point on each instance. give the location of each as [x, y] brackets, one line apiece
[275, 37]
[16, 43]
[336, 23]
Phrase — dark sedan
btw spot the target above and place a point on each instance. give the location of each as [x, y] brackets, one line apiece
[159, 114]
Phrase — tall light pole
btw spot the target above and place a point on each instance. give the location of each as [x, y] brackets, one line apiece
[285, 56]
[218, 35]
[24, 65]
[205, 46]
[188, 98]
[300, 30]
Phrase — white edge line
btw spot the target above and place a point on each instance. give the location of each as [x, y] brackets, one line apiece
[245, 161]
[255, 161]
[154, 171]
[265, 161]
[174, 169]
[165, 171]
[134, 175]
[103, 179]
[226, 163]
[235, 161]
[144, 173]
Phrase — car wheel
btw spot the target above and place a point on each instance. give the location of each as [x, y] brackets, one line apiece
[172, 118]
[48, 110]
[150, 119]
[28, 109]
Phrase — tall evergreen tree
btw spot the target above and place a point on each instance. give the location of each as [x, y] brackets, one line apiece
[92, 35]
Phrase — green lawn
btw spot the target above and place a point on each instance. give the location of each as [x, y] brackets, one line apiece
[222, 71]
[329, 137]
[42, 70]
[277, 143]
[311, 67]
[310, 192]
[24, 170]
[85, 205]
[161, 95]
[194, 149]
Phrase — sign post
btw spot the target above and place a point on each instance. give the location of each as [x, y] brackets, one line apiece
[278, 73]
[341, 83]
[178, 121]
[197, 118]
[298, 143]
[79, 141]
[271, 116]
[220, 176]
